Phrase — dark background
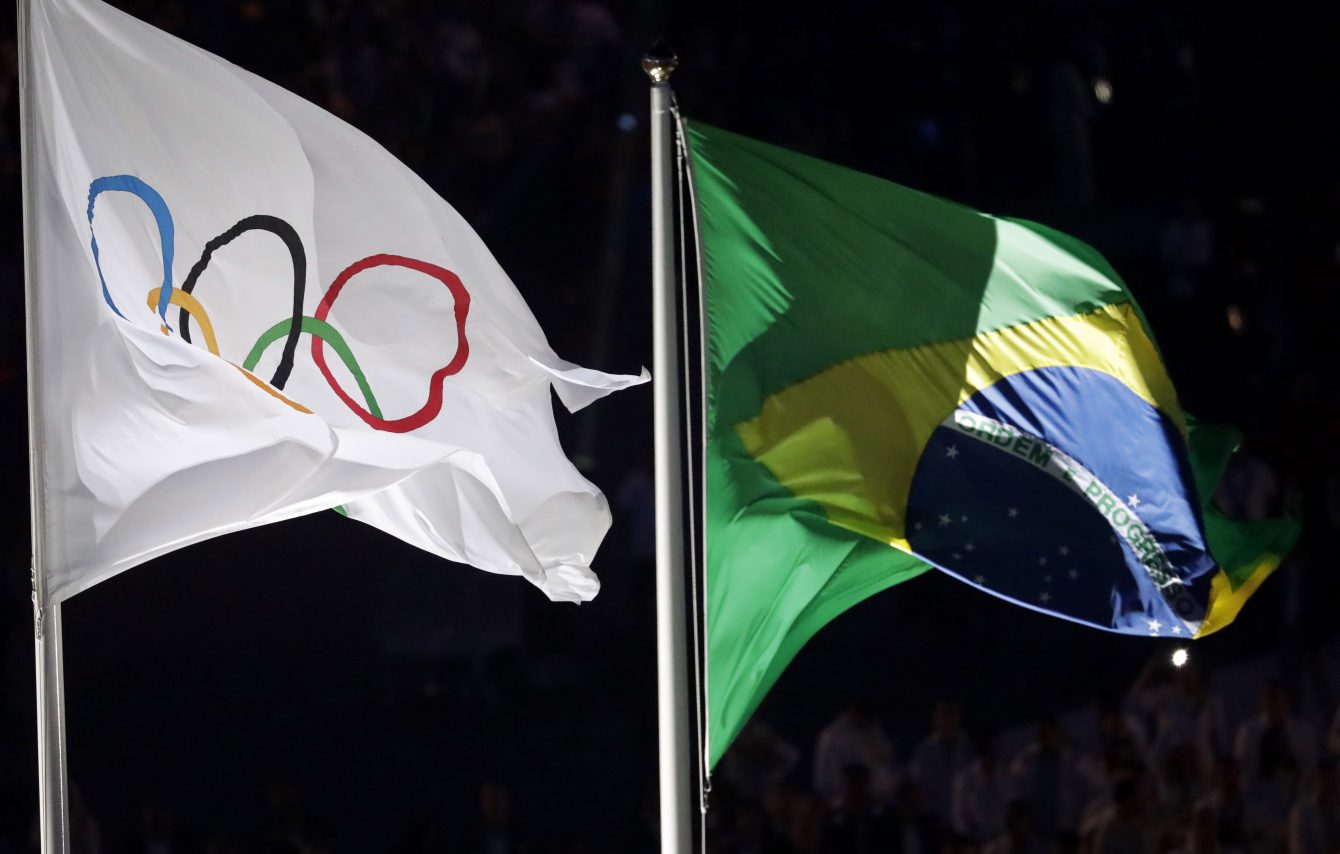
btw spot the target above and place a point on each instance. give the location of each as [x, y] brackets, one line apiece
[320, 668]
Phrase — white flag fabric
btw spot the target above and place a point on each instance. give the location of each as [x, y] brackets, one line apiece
[246, 310]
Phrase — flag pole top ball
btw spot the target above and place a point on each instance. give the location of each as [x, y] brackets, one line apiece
[659, 62]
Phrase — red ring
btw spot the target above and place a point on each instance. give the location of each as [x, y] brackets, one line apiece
[430, 409]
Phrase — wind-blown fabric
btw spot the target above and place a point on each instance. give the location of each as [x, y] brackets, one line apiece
[246, 310]
[898, 383]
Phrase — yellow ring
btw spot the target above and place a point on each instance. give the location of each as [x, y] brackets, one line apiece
[193, 308]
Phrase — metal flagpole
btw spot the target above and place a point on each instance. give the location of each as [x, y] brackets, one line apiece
[53, 804]
[672, 666]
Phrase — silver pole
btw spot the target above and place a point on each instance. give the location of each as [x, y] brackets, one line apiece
[672, 662]
[53, 803]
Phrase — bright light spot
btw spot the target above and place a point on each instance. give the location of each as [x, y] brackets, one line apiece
[1102, 90]
[1180, 657]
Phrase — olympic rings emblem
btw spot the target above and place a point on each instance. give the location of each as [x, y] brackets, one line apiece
[293, 327]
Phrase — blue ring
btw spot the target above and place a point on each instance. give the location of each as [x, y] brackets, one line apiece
[157, 207]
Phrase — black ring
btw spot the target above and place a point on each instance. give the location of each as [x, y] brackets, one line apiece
[285, 232]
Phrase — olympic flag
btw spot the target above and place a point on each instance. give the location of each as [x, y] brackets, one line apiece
[244, 310]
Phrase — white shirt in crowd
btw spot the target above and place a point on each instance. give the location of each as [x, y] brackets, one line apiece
[935, 764]
[853, 739]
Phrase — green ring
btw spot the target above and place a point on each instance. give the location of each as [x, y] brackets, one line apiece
[323, 330]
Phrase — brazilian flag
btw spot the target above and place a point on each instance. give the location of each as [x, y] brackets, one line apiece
[898, 383]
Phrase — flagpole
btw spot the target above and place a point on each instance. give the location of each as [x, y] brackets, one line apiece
[53, 803]
[672, 667]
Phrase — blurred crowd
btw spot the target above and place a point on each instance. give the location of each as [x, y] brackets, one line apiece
[1170, 767]
[491, 827]
[1164, 769]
